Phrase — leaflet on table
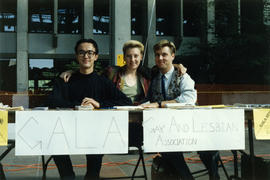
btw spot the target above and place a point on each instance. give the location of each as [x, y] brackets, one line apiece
[179, 105]
[85, 108]
[192, 106]
[128, 107]
[216, 106]
[19, 108]
[7, 107]
[251, 106]
[41, 108]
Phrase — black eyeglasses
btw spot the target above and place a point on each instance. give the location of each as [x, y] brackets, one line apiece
[89, 53]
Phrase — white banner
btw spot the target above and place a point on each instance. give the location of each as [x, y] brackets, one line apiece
[71, 132]
[167, 130]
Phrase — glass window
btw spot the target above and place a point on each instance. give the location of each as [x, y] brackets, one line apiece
[252, 16]
[101, 19]
[41, 73]
[40, 16]
[226, 17]
[239, 53]
[138, 17]
[167, 17]
[191, 17]
[163, 18]
[69, 17]
[8, 15]
[8, 74]
[266, 13]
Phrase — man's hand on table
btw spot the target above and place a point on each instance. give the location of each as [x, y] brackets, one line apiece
[150, 105]
[90, 102]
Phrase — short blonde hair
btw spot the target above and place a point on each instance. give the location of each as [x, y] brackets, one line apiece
[133, 44]
[163, 43]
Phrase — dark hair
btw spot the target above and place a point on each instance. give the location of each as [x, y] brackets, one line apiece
[93, 42]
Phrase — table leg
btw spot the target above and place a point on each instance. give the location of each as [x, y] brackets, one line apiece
[251, 149]
[2, 174]
[235, 163]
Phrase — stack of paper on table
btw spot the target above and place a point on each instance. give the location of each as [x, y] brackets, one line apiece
[19, 108]
[179, 105]
[128, 107]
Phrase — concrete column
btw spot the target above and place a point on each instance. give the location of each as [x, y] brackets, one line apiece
[120, 27]
[266, 12]
[210, 9]
[178, 24]
[181, 19]
[55, 17]
[239, 16]
[235, 22]
[88, 12]
[55, 23]
[22, 45]
[151, 33]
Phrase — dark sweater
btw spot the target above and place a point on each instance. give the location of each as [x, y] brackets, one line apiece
[71, 94]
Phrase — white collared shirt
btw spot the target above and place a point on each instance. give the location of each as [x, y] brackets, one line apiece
[187, 89]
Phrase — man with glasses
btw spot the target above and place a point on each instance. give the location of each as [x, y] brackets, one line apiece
[85, 88]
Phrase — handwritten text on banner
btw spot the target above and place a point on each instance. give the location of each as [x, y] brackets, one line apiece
[3, 128]
[193, 130]
[71, 132]
[262, 123]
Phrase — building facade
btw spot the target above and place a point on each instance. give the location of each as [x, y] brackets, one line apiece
[37, 37]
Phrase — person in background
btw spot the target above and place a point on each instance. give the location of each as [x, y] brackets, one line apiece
[168, 87]
[84, 88]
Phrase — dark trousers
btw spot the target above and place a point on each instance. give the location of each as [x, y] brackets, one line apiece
[210, 160]
[65, 169]
[177, 162]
